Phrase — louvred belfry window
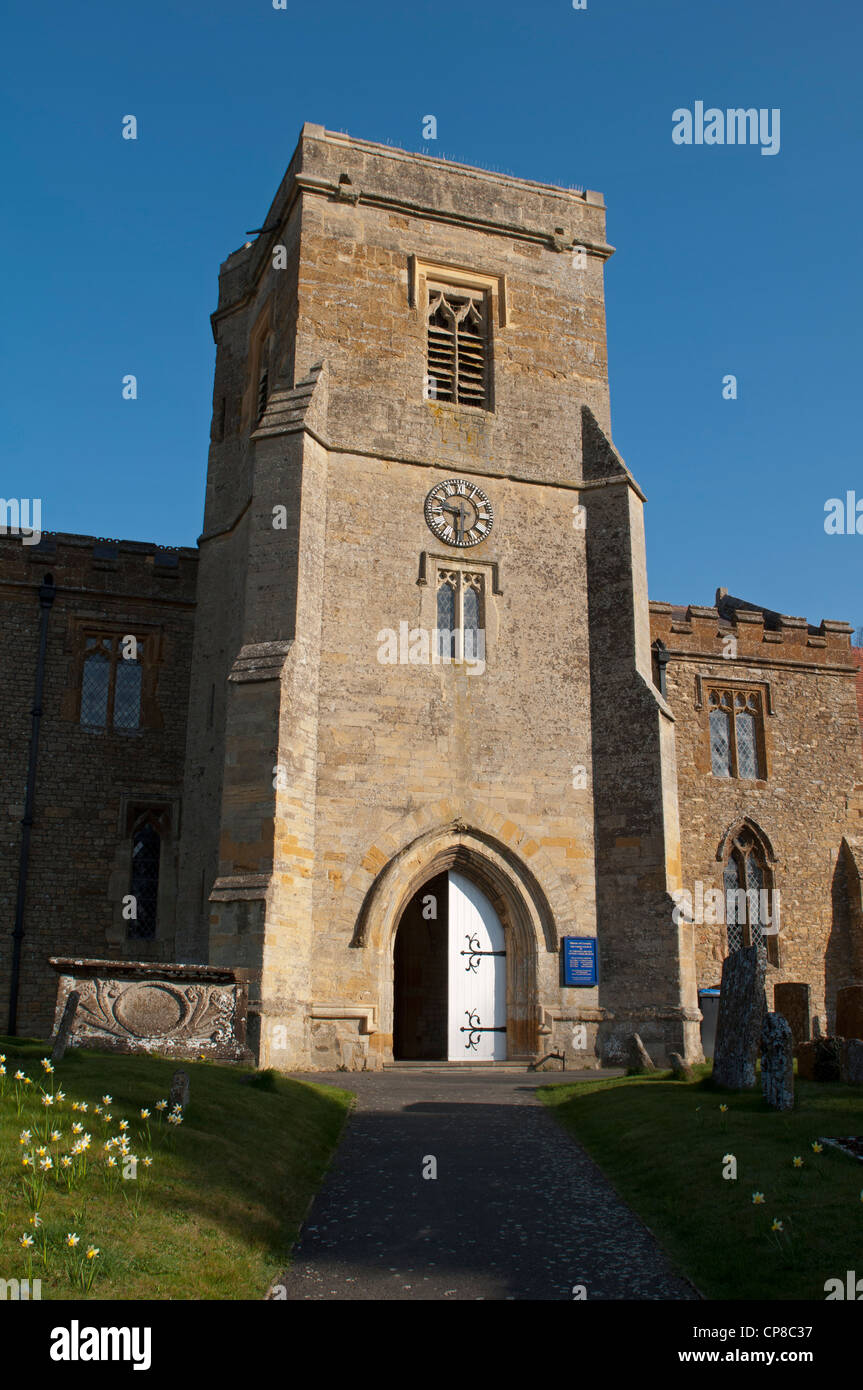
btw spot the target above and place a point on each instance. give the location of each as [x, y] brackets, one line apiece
[458, 347]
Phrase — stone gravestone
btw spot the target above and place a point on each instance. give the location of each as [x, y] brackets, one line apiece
[179, 1093]
[682, 1070]
[738, 1027]
[639, 1057]
[792, 1002]
[777, 1062]
[851, 1062]
[849, 1012]
[819, 1060]
[58, 1051]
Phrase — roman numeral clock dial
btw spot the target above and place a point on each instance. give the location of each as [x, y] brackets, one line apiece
[459, 513]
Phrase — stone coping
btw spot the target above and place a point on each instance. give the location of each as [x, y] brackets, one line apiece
[84, 966]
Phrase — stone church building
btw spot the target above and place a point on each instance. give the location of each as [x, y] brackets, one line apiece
[402, 736]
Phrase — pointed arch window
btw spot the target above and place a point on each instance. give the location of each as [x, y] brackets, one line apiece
[751, 902]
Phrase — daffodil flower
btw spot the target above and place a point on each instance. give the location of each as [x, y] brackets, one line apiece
[798, 1161]
[758, 1198]
[19, 1076]
[147, 1162]
[145, 1114]
[106, 1100]
[817, 1148]
[161, 1105]
[72, 1240]
[24, 1137]
[92, 1253]
[77, 1127]
[124, 1124]
[47, 1065]
[26, 1241]
[777, 1226]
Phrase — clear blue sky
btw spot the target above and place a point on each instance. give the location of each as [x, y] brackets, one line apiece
[728, 261]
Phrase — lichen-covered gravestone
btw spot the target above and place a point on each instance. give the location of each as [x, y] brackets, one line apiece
[738, 1027]
[682, 1070]
[777, 1062]
[179, 1092]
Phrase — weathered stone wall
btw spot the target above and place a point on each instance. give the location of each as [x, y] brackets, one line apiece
[87, 780]
[808, 804]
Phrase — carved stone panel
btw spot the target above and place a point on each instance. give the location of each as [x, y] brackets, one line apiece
[132, 1006]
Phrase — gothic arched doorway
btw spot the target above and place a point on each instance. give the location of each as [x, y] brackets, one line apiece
[449, 975]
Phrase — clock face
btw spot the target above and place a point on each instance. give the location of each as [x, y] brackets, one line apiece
[459, 512]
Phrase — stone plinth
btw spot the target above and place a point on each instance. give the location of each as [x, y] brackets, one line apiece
[136, 1006]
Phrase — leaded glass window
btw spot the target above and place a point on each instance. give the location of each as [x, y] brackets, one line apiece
[750, 900]
[112, 682]
[457, 346]
[736, 734]
[446, 614]
[95, 682]
[146, 853]
[460, 597]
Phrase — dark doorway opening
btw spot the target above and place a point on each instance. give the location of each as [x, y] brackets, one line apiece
[420, 1014]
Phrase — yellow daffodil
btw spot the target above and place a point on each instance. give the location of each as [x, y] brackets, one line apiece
[46, 1163]
[817, 1148]
[72, 1240]
[36, 1220]
[758, 1198]
[77, 1127]
[106, 1100]
[2, 1069]
[147, 1162]
[161, 1105]
[19, 1076]
[26, 1161]
[92, 1253]
[24, 1137]
[40, 1153]
[124, 1124]
[47, 1065]
[26, 1241]
[777, 1226]
[56, 1136]
[65, 1161]
[107, 1117]
[728, 1158]
[111, 1162]
[47, 1100]
[798, 1162]
[145, 1114]
[97, 1109]
[61, 1095]
[723, 1108]
[82, 1107]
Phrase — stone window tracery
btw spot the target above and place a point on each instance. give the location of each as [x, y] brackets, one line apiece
[750, 901]
[458, 346]
[736, 734]
[460, 633]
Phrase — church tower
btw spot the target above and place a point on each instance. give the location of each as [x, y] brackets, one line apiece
[430, 798]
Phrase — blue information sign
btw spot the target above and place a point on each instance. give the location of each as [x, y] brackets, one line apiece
[579, 960]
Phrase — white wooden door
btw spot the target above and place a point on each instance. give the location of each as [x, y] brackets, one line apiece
[477, 976]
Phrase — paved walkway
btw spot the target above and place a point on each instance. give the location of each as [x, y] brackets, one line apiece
[517, 1211]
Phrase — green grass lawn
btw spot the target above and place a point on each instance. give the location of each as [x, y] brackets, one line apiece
[213, 1217]
[662, 1143]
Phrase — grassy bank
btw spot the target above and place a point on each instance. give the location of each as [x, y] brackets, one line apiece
[214, 1213]
[664, 1145]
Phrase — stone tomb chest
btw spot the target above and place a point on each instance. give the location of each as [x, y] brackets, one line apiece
[135, 1006]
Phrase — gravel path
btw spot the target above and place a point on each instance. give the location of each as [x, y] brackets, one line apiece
[517, 1210]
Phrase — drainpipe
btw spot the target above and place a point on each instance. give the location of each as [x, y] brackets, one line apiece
[46, 598]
